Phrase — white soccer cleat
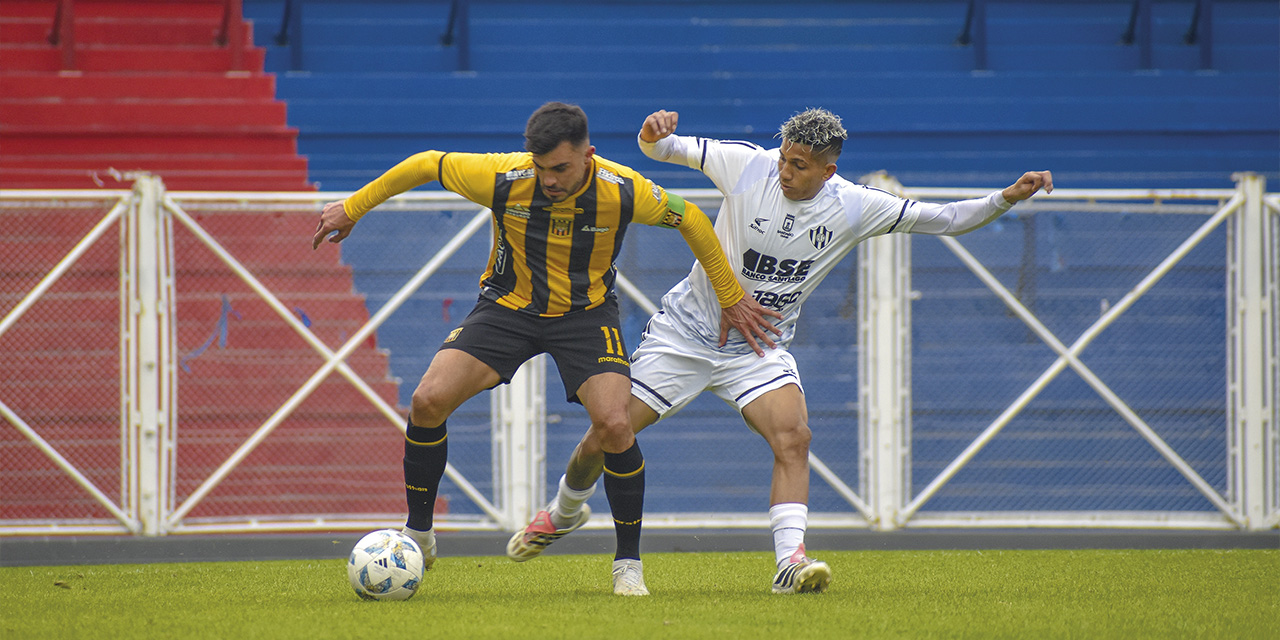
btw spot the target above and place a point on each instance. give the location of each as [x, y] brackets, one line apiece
[802, 574]
[628, 578]
[427, 542]
[533, 539]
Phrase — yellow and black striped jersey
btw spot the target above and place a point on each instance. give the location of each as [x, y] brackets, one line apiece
[551, 258]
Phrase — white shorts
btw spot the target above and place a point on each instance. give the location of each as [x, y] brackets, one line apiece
[669, 369]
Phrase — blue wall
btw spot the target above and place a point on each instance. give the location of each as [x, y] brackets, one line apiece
[1060, 92]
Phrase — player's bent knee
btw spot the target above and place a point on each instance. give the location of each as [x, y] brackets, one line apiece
[792, 441]
[611, 434]
[428, 409]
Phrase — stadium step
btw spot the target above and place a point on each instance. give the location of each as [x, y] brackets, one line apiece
[90, 58]
[96, 113]
[145, 86]
[140, 139]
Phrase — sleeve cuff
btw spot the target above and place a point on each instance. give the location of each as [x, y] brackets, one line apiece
[1000, 202]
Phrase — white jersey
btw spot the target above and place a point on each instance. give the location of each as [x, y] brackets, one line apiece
[781, 249]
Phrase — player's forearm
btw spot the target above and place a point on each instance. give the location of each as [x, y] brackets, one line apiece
[701, 237]
[955, 218]
[674, 149]
[414, 171]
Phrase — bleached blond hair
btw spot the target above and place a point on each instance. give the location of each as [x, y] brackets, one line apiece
[818, 129]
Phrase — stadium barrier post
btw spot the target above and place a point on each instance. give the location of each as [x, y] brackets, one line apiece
[1251, 350]
[884, 368]
[518, 418]
[151, 345]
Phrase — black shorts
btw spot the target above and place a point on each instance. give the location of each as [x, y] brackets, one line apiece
[582, 343]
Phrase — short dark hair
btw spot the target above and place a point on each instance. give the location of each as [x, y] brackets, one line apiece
[553, 123]
[818, 129]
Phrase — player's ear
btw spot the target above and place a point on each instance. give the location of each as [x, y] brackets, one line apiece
[591, 151]
[831, 171]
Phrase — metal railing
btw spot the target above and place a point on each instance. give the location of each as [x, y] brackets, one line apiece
[882, 495]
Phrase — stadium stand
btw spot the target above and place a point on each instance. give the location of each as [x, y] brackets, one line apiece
[146, 87]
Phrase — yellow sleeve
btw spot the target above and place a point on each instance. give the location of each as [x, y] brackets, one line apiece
[701, 237]
[669, 210]
[414, 171]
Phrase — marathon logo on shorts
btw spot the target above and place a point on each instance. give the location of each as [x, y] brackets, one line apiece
[609, 176]
[767, 268]
[519, 174]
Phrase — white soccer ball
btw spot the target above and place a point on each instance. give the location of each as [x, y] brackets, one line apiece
[386, 565]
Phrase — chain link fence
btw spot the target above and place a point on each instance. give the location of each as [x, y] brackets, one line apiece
[292, 370]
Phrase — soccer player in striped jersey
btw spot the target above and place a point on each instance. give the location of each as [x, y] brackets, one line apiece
[786, 220]
[559, 213]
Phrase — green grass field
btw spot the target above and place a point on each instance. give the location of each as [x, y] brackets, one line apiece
[874, 594]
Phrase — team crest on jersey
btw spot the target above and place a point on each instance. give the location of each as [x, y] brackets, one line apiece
[519, 174]
[609, 176]
[518, 211]
[561, 226]
[819, 236]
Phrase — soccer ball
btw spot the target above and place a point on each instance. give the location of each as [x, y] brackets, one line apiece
[386, 565]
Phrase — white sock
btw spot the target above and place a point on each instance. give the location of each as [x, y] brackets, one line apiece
[788, 521]
[568, 503]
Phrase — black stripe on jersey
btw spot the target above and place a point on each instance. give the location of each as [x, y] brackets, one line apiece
[900, 212]
[580, 250]
[626, 209]
[744, 393]
[503, 276]
[535, 251]
[440, 170]
[702, 142]
[650, 390]
[880, 190]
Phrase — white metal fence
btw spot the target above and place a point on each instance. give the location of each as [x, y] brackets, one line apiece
[208, 372]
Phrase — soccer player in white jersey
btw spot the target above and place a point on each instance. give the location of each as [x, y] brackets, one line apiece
[786, 220]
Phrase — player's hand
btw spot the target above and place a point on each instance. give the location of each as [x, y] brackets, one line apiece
[748, 317]
[659, 125]
[1028, 185]
[332, 218]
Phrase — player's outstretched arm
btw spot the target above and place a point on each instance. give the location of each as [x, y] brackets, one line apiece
[1028, 185]
[333, 218]
[659, 125]
[341, 216]
[962, 216]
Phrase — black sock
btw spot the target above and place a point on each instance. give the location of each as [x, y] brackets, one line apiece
[425, 453]
[624, 486]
